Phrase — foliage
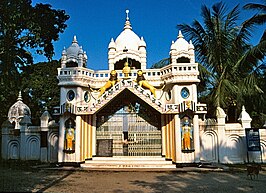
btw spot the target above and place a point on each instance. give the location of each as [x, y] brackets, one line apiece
[234, 67]
[40, 86]
[161, 63]
[24, 29]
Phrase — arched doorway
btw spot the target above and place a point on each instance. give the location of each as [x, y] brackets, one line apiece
[130, 127]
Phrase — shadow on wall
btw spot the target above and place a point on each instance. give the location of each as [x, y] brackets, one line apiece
[231, 149]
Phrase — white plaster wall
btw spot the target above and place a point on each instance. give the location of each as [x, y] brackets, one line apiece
[234, 150]
[53, 147]
[33, 148]
[209, 146]
[13, 149]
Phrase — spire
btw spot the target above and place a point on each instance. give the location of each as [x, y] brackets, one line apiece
[180, 34]
[19, 96]
[127, 12]
[190, 46]
[64, 51]
[127, 24]
[75, 39]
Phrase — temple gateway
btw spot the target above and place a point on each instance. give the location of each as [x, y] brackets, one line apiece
[128, 112]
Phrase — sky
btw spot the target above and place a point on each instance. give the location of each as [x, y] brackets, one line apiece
[95, 22]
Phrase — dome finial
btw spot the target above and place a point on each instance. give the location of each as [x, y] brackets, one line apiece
[75, 39]
[127, 24]
[180, 34]
[19, 96]
[127, 12]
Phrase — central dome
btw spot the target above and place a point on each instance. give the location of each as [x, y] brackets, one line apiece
[127, 39]
[128, 46]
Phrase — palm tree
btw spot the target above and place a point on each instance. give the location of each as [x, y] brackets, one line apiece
[223, 48]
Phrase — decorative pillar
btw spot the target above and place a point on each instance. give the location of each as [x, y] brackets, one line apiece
[78, 139]
[93, 135]
[196, 138]
[178, 139]
[245, 119]
[23, 127]
[220, 114]
[163, 136]
[61, 139]
[6, 128]
[44, 135]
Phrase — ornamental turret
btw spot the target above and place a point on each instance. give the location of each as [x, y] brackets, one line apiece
[127, 45]
[73, 56]
[181, 51]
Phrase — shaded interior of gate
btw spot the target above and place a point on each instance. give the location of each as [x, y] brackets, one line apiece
[128, 126]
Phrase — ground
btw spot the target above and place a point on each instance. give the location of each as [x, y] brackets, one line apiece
[31, 177]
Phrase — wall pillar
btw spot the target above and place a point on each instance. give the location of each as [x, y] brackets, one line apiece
[93, 135]
[163, 135]
[78, 139]
[196, 138]
[177, 139]
[61, 139]
[220, 114]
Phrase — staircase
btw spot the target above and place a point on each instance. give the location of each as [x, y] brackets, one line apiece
[128, 162]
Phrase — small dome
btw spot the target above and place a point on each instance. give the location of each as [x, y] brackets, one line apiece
[64, 51]
[18, 110]
[244, 116]
[172, 46]
[80, 50]
[220, 112]
[181, 44]
[111, 44]
[73, 50]
[142, 43]
[191, 46]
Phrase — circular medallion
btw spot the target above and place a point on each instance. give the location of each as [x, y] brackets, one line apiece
[70, 95]
[185, 93]
[87, 97]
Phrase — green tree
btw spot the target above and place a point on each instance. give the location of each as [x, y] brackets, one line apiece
[40, 87]
[233, 66]
[257, 102]
[24, 29]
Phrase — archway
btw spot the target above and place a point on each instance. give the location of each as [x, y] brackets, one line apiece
[131, 126]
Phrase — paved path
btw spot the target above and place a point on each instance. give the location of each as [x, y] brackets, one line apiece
[186, 179]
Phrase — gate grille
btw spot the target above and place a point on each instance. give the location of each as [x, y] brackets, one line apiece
[133, 127]
[146, 143]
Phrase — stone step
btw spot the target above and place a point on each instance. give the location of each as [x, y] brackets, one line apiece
[131, 158]
[128, 162]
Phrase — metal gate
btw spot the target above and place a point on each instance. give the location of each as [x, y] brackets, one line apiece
[134, 130]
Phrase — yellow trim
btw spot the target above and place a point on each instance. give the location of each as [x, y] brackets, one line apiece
[81, 140]
[173, 139]
[90, 136]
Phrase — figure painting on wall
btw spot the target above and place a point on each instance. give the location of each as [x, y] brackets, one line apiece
[187, 134]
[70, 138]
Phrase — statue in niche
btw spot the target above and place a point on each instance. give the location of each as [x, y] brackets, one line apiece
[144, 83]
[186, 135]
[110, 83]
[70, 138]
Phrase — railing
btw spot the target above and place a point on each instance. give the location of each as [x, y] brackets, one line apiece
[149, 73]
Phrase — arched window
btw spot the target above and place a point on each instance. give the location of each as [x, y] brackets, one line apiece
[133, 64]
[71, 64]
[183, 60]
